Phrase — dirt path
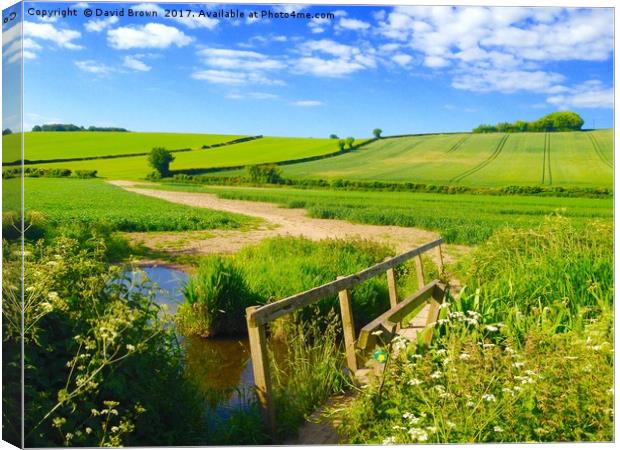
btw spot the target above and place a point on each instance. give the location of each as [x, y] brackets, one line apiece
[278, 222]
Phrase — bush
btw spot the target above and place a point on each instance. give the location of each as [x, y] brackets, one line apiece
[215, 300]
[266, 173]
[85, 174]
[160, 160]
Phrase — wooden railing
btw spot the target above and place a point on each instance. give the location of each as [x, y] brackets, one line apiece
[258, 317]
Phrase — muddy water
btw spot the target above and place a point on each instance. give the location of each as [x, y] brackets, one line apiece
[220, 367]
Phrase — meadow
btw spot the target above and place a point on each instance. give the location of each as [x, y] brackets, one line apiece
[259, 151]
[493, 159]
[461, 218]
[49, 145]
[69, 201]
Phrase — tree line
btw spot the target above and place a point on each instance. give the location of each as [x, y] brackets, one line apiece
[557, 121]
[71, 127]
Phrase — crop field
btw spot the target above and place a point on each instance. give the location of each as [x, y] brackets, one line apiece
[56, 145]
[265, 150]
[462, 218]
[495, 159]
[66, 201]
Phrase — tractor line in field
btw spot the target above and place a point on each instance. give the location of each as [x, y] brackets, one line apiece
[599, 150]
[457, 145]
[546, 170]
[486, 162]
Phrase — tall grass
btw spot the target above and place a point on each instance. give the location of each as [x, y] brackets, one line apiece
[525, 354]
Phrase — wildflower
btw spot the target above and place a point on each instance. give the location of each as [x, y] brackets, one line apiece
[88, 430]
[489, 397]
[69, 436]
[464, 356]
[491, 328]
[418, 434]
[469, 404]
[446, 361]
[441, 351]
[436, 375]
[398, 427]
[451, 425]
[488, 345]
[411, 418]
[530, 372]
[518, 364]
[130, 347]
[389, 441]
[498, 429]
[432, 430]
[414, 382]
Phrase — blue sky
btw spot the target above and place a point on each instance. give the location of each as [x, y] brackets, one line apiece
[402, 69]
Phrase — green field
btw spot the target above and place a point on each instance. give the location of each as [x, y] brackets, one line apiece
[462, 218]
[67, 201]
[494, 159]
[56, 145]
[265, 150]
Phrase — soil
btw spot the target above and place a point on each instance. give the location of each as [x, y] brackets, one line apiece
[277, 221]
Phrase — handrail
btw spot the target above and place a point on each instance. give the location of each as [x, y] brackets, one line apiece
[272, 311]
[259, 316]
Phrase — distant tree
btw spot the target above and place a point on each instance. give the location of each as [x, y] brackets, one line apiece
[6, 131]
[485, 129]
[349, 141]
[333, 136]
[37, 128]
[521, 125]
[557, 121]
[377, 132]
[341, 144]
[160, 160]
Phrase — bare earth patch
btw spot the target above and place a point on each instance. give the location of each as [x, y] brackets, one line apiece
[278, 222]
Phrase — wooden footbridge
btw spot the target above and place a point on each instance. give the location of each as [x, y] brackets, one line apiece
[426, 302]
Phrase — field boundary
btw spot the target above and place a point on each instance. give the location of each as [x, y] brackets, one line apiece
[122, 155]
[599, 150]
[486, 162]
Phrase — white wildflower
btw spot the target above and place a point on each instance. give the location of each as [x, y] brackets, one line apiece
[489, 398]
[436, 375]
[414, 382]
[491, 328]
[518, 364]
[418, 434]
[498, 429]
[389, 441]
[451, 425]
[464, 356]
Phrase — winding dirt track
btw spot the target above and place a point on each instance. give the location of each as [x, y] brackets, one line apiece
[278, 222]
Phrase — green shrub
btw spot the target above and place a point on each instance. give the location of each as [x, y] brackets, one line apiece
[85, 174]
[87, 338]
[265, 173]
[159, 158]
[215, 300]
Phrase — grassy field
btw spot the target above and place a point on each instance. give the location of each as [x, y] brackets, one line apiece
[494, 159]
[55, 145]
[66, 201]
[467, 219]
[270, 149]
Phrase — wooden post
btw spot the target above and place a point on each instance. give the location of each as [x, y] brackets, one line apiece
[419, 270]
[260, 367]
[391, 281]
[440, 257]
[433, 315]
[348, 329]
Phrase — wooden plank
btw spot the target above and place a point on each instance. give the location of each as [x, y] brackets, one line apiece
[348, 329]
[419, 270]
[285, 306]
[260, 367]
[366, 339]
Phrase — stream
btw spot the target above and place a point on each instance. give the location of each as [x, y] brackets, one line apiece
[220, 367]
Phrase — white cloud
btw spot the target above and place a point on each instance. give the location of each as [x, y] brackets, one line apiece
[353, 24]
[97, 26]
[477, 43]
[327, 58]
[238, 59]
[80, 5]
[151, 35]
[134, 63]
[591, 94]
[489, 80]
[61, 37]
[402, 59]
[93, 67]
[308, 103]
[252, 95]
[234, 78]
[289, 8]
